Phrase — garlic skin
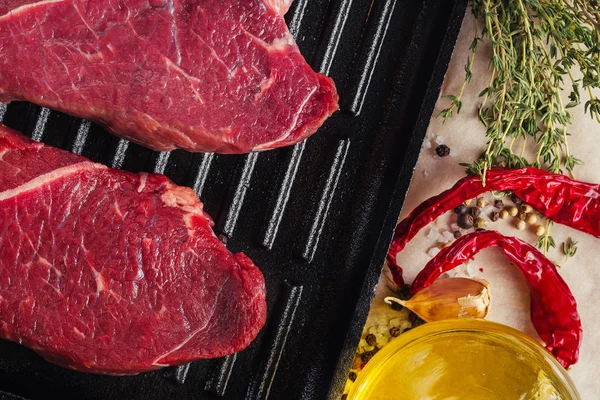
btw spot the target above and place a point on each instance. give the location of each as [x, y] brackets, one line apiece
[449, 298]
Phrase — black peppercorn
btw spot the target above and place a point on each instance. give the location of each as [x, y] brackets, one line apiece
[417, 321]
[495, 216]
[479, 229]
[367, 355]
[395, 331]
[457, 234]
[223, 238]
[371, 339]
[344, 397]
[499, 204]
[465, 221]
[474, 212]
[516, 200]
[352, 376]
[461, 209]
[442, 150]
[404, 293]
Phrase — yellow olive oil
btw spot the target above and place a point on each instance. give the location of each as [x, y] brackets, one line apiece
[463, 360]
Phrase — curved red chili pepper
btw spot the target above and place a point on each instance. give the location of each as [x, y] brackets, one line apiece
[559, 198]
[553, 308]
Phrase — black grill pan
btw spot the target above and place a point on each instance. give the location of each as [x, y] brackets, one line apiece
[317, 218]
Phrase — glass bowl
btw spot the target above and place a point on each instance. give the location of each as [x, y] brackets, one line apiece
[463, 359]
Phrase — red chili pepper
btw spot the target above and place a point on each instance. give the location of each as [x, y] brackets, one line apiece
[553, 308]
[559, 198]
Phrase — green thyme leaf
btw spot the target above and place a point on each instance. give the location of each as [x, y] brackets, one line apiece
[569, 248]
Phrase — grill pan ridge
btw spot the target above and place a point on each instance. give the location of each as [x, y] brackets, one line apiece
[317, 218]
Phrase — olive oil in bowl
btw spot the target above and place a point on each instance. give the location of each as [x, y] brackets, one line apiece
[463, 359]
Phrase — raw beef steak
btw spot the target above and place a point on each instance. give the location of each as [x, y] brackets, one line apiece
[112, 272]
[202, 75]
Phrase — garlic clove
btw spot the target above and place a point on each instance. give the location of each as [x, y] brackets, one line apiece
[449, 298]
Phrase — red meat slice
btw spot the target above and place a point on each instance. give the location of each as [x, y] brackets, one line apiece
[112, 272]
[202, 75]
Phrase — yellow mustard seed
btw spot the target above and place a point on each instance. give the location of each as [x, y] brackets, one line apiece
[540, 230]
[521, 224]
[531, 219]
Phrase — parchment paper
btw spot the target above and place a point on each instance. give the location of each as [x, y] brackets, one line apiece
[510, 296]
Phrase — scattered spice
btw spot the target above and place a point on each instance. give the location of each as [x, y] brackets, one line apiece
[474, 212]
[223, 238]
[495, 216]
[553, 308]
[344, 396]
[531, 218]
[540, 230]
[457, 234]
[461, 209]
[480, 269]
[515, 199]
[357, 362]
[465, 221]
[415, 320]
[371, 339]
[526, 208]
[499, 204]
[513, 211]
[352, 376]
[467, 202]
[395, 331]
[404, 293]
[442, 150]
[481, 202]
[396, 307]
[479, 223]
[521, 224]
[522, 216]
[449, 298]
[504, 214]
[367, 355]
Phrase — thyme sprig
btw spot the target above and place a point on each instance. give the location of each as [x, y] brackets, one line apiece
[569, 248]
[546, 242]
[535, 45]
